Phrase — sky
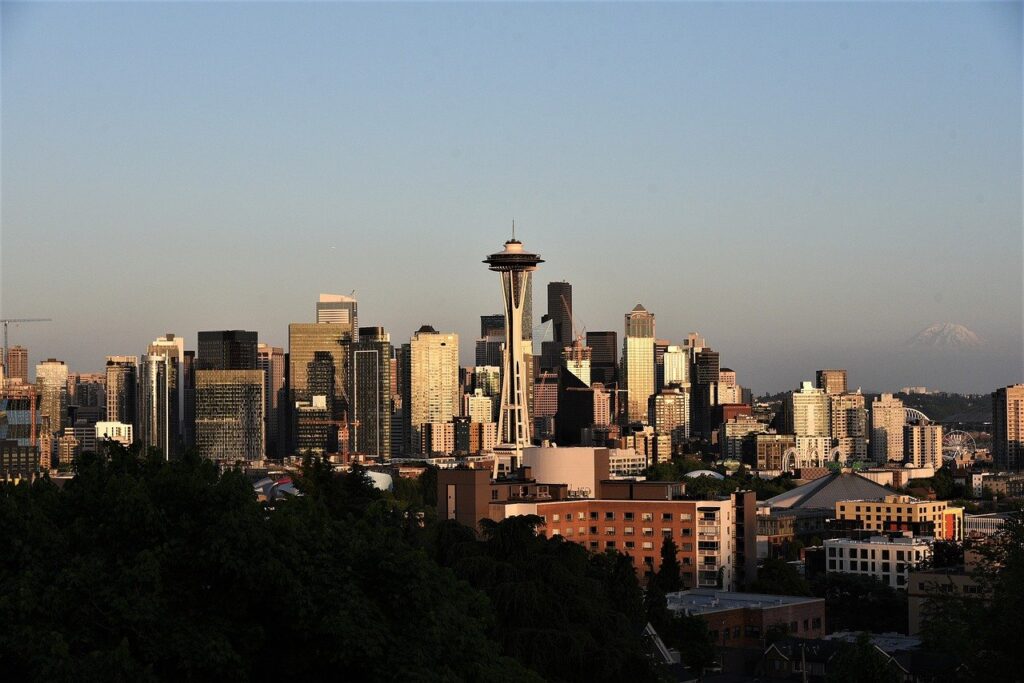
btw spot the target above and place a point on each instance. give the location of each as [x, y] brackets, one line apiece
[808, 185]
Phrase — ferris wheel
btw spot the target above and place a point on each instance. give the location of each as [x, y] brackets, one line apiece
[958, 445]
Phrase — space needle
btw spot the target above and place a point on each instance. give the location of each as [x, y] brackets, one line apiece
[515, 265]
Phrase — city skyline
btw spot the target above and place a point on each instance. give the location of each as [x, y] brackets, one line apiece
[806, 186]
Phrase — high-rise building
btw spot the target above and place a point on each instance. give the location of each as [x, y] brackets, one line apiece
[806, 415]
[369, 392]
[832, 381]
[888, 417]
[317, 366]
[489, 350]
[670, 413]
[922, 444]
[1008, 427]
[560, 312]
[604, 356]
[155, 425]
[577, 359]
[704, 374]
[229, 414]
[122, 381]
[479, 407]
[515, 266]
[339, 309]
[226, 350]
[17, 358]
[52, 385]
[172, 348]
[188, 409]
[676, 364]
[660, 349]
[638, 362]
[545, 403]
[270, 359]
[849, 424]
[492, 325]
[433, 380]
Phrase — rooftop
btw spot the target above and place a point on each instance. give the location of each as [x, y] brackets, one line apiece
[708, 601]
[828, 490]
[882, 540]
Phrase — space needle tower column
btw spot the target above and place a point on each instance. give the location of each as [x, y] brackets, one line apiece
[515, 265]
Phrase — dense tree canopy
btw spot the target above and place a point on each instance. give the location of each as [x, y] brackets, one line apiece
[143, 569]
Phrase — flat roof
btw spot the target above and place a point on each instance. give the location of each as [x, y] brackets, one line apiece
[709, 601]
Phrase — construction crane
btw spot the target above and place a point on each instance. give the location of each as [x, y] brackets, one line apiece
[7, 321]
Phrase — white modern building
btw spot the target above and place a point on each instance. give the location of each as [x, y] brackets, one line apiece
[887, 559]
[115, 431]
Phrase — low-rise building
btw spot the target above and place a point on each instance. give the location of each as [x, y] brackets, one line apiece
[984, 525]
[903, 513]
[743, 620]
[887, 559]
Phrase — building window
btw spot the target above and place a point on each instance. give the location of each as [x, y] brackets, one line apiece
[593, 545]
[593, 529]
[628, 531]
[686, 533]
[581, 516]
[630, 545]
[554, 518]
[666, 516]
[647, 545]
[831, 552]
[556, 532]
[646, 516]
[831, 564]
[816, 622]
[667, 533]
[609, 531]
[684, 517]
[648, 531]
[543, 519]
[628, 516]
[610, 545]
[885, 554]
[593, 514]
[609, 515]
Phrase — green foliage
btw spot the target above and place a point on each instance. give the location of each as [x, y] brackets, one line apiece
[983, 630]
[861, 603]
[862, 662]
[776, 577]
[692, 637]
[712, 487]
[143, 569]
[565, 613]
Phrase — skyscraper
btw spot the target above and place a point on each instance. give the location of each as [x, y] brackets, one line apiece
[121, 386]
[1008, 427]
[17, 357]
[832, 381]
[888, 417]
[638, 362]
[433, 380]
[492, 325]
[226, 350]
[317, 360]
[560, 312]
[229, 414]
[369, 392]
[604, 356]
[52, 385]
[270, 359]
[172, 348]
[677, 366]
[154, 418]
[515, 266]
[704, 374]
[806, 414]
[660, 348]
[848, 419]
[577, 358]
[339, 309]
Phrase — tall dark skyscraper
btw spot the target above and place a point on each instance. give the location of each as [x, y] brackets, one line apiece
[369, 393]
[492, 325]
[560, 312]
[604, 356]
[226, 350]
[703, 375]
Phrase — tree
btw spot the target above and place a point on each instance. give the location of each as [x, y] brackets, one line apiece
[861, 603]
[776, 577]
[982, 628]
[667, 576]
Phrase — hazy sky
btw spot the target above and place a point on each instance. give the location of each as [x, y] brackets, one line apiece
[807, 185]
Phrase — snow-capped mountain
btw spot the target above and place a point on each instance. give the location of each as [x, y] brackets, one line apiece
[946, 337]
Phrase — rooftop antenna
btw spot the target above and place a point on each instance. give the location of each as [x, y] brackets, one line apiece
[513, 228]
